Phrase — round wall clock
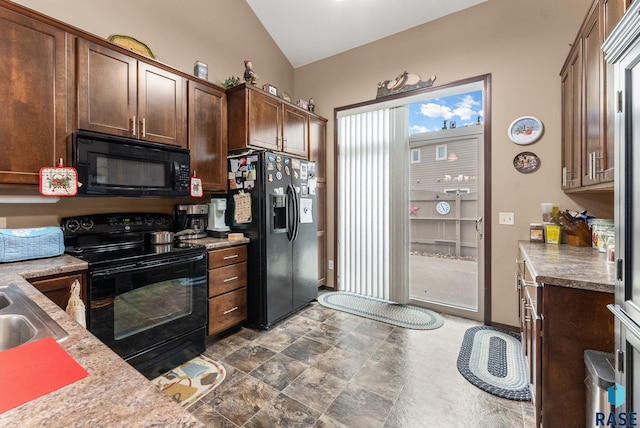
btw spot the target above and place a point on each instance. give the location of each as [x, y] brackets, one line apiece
[525, 130]
[443, 207]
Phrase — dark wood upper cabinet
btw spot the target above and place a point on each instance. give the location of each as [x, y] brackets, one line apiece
[612, 11]
[594, 105]
[572, 119]
[35, 93]
[107, 90]
[262, 121]
[162, 105]
[295, 131]
[588, 103]
[208, 135]
[120, 95]
[317, 145]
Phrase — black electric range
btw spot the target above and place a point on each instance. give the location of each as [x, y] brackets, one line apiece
[146, 302]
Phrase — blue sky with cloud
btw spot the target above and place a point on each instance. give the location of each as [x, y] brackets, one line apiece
[429, 115]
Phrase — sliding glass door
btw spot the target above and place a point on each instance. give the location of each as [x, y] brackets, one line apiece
[445, 218]
[413, 190]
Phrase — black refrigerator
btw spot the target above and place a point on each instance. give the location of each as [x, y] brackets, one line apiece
[272, 200]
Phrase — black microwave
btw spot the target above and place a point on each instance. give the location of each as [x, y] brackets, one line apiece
[115, 166]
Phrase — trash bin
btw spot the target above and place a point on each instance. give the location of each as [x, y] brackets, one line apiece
[600, 376]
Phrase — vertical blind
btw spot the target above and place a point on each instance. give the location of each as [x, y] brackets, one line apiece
[372, 203]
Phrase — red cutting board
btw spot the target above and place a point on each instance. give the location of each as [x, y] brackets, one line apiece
[35, 369]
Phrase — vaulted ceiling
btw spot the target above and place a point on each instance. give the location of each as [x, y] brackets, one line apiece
[310, 30]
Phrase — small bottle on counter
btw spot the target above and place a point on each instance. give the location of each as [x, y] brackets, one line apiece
[610, 246]
[536, 232]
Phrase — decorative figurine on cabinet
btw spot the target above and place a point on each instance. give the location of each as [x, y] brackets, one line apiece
[311, 106]
[249, 75]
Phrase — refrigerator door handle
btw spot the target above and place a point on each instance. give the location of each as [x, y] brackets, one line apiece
[621, 315]
[290, 215]
[297, 214]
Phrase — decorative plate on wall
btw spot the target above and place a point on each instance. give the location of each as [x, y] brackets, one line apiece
[525, 130]
[526, 162]
[132, 44]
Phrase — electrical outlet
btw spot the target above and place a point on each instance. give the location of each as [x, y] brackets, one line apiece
[330, 265]
[507, 218]
[3, 222]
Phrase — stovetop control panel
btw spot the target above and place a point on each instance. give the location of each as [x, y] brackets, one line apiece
[116, 223]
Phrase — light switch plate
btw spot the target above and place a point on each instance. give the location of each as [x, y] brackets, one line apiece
[507, 218]
[3, 222]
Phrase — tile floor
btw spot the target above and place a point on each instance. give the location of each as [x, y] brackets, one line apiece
[325, 368]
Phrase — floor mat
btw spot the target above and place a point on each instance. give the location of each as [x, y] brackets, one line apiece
[492, 360]
[406, 316]
[192, 380]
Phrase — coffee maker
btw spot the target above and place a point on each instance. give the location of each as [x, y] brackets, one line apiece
[217, 226]
[191, 221]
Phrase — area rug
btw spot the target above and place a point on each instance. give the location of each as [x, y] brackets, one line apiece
[192, 380]
[492, 360]
[406, 316]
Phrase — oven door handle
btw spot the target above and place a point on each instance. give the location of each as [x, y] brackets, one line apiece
[146, 265]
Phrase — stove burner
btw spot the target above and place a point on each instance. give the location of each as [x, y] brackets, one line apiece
[108, 239]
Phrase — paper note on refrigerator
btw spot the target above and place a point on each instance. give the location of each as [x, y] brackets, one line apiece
[306, 210]
[242, 212]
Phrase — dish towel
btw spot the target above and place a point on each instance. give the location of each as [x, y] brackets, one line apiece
[76, 308]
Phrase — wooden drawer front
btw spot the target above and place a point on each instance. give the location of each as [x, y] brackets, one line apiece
[227, 256]
[227, 310]
[227, 278]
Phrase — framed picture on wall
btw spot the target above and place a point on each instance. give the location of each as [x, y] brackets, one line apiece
[525, 130]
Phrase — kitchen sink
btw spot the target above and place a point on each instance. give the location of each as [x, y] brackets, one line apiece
[4, 301]
[15, 330]
[23, 321]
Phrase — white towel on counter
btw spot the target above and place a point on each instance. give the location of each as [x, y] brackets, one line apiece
[75, 307]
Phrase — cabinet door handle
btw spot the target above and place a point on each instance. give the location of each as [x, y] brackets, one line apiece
[228, 311]
[144, 127]
[233, 278]
[530, 283]
[134, 126]
[479, 227]
[230, 257]
[564, 176]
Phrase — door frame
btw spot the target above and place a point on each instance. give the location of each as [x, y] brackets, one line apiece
[485, 79]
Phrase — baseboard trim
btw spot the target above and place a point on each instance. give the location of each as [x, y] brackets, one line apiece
[505, 327]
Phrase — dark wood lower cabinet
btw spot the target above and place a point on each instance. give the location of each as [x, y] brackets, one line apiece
[227, 288]
[58, 287]
[573, 320]
[558, 324]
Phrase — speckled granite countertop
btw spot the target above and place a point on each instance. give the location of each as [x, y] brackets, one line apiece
[217, 243]
[114, 393]
[568, 266]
